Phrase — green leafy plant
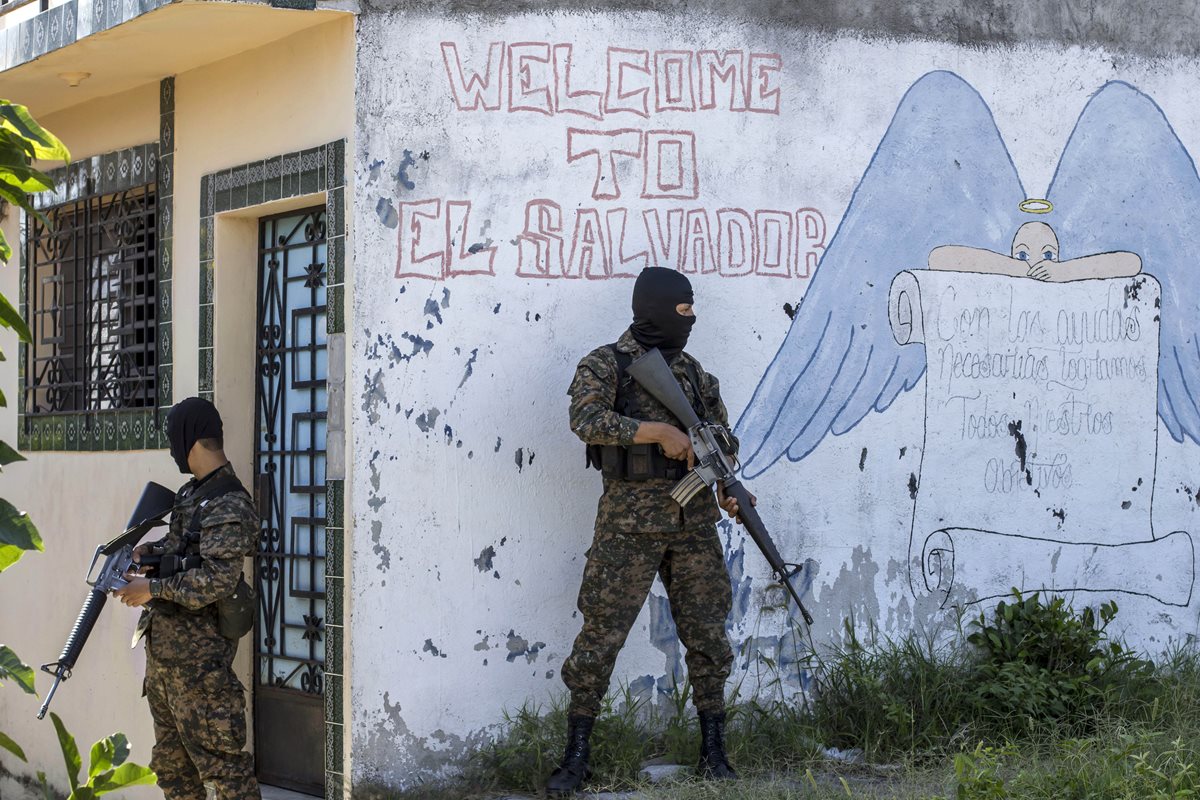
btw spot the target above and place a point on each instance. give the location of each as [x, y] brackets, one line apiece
[977, 774]
[22, 140]
[1042, 662]
[108, 767]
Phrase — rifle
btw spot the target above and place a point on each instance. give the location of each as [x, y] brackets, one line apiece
[714, 464]
[156, 502]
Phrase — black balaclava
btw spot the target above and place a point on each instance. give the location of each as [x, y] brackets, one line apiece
[188, 422]
[656, 323]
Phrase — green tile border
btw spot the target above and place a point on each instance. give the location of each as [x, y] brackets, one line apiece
[335, 502]
[333, 756]
[311, 171]
[333, 786]
[166, 249]
[109, 431]
[333, 698]
[102, 174]
[334, 650]
[333, 601]
[319, 169]
[95, 432]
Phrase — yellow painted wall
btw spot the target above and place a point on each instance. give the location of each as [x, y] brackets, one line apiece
[293, 94]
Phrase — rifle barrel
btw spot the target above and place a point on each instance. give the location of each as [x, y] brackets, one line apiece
[61, 669]
[758, 532]
[58, 677]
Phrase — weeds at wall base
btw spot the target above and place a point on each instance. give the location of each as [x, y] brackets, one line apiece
[1037, 702]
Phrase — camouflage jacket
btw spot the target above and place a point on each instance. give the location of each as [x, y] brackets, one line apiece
[644, 506]
[229, 530]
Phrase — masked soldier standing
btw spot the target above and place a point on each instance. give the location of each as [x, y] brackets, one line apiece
[640, 531]
[194, 617]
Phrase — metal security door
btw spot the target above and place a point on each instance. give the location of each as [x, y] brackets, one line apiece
[289, 716]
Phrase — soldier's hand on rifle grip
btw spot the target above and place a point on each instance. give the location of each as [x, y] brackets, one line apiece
[136, 569]
[675, 443]
[730, 504]
[135, 594]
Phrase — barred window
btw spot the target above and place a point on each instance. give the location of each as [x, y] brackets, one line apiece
[90, 304]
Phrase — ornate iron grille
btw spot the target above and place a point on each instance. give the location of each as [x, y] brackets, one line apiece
[90, 293]
[290, 457]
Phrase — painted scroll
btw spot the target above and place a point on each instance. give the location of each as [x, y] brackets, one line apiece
[1039, 399]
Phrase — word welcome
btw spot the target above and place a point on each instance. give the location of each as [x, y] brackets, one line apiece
[539, 77]
[564, 240]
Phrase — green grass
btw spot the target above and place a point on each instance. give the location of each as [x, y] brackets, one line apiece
[935, 717]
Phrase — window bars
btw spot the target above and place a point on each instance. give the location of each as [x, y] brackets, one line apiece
[90, 304]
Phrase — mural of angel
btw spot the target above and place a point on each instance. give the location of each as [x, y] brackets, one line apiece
[942, 191]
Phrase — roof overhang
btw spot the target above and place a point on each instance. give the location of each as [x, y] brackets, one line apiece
[169, 40]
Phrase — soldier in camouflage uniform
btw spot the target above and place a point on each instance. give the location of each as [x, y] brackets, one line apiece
[640, 531]
[197, 702]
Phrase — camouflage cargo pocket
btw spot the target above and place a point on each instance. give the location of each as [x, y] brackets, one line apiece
[223, 726]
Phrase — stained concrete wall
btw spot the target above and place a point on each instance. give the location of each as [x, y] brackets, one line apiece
[516, 167]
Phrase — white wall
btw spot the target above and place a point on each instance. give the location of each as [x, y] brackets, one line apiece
[472, 508]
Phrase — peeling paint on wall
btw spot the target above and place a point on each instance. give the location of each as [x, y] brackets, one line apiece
[374, 396]
[516, 220]
[427, 420]
[519, 646]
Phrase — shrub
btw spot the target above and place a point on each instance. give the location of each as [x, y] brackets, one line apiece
[1042, 662]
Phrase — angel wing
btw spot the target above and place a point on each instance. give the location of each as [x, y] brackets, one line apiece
[1126, 182]
[941, 175]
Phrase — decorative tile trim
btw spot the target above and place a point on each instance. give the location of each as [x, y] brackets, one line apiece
[96, 431]
[102, 174]
[333, 786]
[65, 25]
[166, 244]
[92, 431]
[320, 169]
[335, 637]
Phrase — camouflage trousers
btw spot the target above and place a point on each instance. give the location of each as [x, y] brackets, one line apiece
[199, 731]
[620, 569]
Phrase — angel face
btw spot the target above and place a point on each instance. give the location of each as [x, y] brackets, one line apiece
[1035, 242]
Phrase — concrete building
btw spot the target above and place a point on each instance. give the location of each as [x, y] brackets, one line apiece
[380, 236]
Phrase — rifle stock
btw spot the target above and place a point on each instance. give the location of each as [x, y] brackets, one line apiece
[652, 372]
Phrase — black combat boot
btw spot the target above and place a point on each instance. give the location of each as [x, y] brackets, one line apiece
[714, 765]
[573, 770]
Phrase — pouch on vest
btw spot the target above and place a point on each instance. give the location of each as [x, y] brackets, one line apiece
[235, 614]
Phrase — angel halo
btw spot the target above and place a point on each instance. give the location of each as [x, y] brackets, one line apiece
[1036, 205]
